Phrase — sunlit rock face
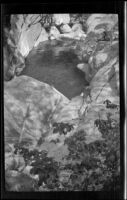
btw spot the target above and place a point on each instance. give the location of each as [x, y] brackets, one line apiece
[65, 28]
[26, 29]
[54, 33]
[105, 84]
[28, 109]
[43, 37]
[18, 42]
[28, 38]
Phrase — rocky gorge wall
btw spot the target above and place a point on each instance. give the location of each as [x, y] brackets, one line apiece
[27, 31]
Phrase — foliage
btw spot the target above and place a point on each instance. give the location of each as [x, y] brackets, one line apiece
[88, 167]
[62, 128]
[100, 160]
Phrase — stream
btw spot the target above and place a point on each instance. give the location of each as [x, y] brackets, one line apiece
[54, 62]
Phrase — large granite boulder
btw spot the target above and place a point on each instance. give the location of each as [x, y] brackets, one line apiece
[54, 33]
[19, 40]
[28, 38]
[26, 30]
[29, 106]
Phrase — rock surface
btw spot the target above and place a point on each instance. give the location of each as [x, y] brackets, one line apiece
[42, 37]
[61, 19]
[54, 33]
[99, 22]
[77, 27]
[65, 28]
[28, 38]
[28, 106]
[104, 84]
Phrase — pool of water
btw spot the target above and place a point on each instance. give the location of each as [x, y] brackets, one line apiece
[54, 62]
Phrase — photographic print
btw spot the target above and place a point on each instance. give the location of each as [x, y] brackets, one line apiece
[61, 102]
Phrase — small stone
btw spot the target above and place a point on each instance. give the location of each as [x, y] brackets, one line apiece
[65, 28]
[76, 27]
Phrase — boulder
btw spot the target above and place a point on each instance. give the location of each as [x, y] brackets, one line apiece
[91, 21]
[61, 19]
[42, 37]
[69, 112]
[103, 54]
[29, 106]
[28, 39]
[54, 33]
[76, 27]
[98, 23]
[100, 59]
[25, 28]
[104, 85]
[65, 28]
[23, 21]
[78, 34]
[32, 18]
[24, 32]
[17, 25]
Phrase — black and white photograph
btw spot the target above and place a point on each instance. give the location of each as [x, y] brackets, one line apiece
[61, 99]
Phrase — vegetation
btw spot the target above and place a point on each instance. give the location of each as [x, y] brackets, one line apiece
[89, 167]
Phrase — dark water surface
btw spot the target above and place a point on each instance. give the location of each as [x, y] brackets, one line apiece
[54, 62]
